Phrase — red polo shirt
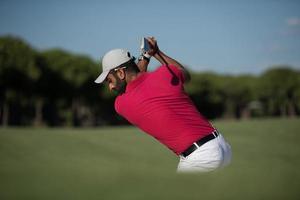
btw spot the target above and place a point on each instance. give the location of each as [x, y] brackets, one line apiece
[157, 103]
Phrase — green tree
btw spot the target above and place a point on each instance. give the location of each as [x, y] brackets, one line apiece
[204, 89]
[279, 90]
[17, 74]
[78, 73]
[238, 92]
[222, 95]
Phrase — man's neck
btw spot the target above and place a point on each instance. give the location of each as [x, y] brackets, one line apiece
[131, 77]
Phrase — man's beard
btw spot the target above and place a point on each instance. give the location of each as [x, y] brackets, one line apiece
[120, 86]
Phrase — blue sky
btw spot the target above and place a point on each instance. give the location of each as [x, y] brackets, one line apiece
[231, 37]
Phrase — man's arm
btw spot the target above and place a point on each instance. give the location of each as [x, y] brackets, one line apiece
[166, 60]
[143, 64]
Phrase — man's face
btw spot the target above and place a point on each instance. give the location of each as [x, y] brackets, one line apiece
[115, 84]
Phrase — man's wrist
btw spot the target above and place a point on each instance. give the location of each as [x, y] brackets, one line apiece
[145, 57]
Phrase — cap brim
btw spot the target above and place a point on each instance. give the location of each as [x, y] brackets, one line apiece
[102, 77]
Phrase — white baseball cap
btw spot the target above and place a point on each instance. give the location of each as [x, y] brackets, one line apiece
[111, 60]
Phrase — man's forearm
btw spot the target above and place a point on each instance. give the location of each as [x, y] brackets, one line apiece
[166, 60]
[143, 65]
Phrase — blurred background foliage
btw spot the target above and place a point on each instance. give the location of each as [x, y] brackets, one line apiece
[56, 88]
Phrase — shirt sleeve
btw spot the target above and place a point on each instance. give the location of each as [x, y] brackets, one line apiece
[173, 71]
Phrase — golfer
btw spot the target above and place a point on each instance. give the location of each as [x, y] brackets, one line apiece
[157, 103]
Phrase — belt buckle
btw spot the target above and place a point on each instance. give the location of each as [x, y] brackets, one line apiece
[215, 133]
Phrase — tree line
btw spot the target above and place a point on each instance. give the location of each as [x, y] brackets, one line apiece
[56, 88]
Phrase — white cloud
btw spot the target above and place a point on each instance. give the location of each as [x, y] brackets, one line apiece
[293, 21]
[292, 27]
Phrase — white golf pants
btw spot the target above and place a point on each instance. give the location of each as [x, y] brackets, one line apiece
[214, 154]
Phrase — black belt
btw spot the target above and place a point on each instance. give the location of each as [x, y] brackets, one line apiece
[200, 142]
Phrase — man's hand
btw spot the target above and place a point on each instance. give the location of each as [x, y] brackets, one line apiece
[145, 56]
[153, 46]
[164, 59]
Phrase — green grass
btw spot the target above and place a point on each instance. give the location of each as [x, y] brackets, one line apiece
[124, 163]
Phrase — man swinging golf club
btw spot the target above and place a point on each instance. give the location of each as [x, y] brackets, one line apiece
[157, 103]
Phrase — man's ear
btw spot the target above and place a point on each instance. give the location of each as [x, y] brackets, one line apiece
[121, 74]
